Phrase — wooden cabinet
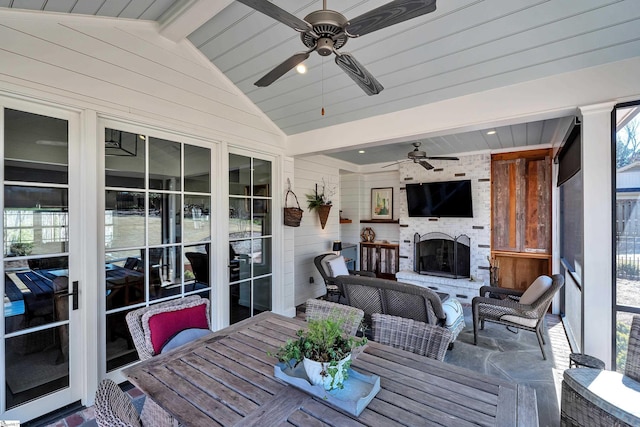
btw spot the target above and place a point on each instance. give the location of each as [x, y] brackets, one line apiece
[380, 258]
[521, 216]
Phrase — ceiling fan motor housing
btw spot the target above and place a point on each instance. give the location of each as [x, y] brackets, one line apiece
[329, 26]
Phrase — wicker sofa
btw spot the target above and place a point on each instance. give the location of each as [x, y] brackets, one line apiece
[373, 295]
[593, 397]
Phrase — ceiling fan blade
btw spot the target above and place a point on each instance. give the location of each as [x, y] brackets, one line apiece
[281, 70]
[394, 163]
[425, 164]
[442, 158]
[358, 73]
[278, 14]
[388, 14]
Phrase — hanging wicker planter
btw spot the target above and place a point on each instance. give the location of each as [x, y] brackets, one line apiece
[323, 214]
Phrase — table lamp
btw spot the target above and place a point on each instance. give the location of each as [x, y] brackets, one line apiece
[337, 246]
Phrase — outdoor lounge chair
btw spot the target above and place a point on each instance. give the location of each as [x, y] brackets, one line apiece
[516, 309]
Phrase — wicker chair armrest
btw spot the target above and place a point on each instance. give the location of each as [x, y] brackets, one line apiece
[362, 273]
[484, 290]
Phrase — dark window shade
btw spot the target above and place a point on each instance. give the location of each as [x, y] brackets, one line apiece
[569, 157]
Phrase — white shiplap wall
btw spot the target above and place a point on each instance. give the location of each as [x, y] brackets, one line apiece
[126, 69]
[310, 239]
[477, 168]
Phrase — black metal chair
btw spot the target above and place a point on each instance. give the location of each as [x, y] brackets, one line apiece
[199, 265]
[504, 306]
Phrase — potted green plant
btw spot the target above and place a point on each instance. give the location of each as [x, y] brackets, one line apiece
[325, 351]
[320, 202]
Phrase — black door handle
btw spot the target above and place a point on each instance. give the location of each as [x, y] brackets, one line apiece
[74, 293]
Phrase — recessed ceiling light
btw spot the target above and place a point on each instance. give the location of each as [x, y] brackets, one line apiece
[301, 68]
[491, 132]
[361, 151]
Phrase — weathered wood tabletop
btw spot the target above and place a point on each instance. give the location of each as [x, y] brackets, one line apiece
[227, 379]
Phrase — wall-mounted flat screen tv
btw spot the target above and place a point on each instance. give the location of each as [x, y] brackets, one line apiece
[440, 199]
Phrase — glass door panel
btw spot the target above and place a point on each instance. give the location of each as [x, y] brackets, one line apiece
[627, 228]
[250, 241]
[157, 237]
[36, 247]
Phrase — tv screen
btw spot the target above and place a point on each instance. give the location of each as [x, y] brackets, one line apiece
[440, 199]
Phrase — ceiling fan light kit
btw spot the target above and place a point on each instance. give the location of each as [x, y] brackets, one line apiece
[326, 31]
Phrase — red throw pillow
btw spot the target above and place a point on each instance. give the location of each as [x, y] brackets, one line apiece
[163, 326]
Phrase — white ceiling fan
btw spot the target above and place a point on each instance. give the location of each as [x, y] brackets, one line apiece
[326, 31]
[420, 157]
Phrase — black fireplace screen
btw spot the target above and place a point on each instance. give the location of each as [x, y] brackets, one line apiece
[439, 254]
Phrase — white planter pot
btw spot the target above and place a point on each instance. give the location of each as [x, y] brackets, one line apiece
[319, 373]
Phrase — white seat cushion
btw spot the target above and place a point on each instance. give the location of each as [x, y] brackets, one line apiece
[338, 267]
[535, 291]
[520, 320]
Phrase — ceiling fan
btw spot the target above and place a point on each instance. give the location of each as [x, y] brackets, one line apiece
[326, 31]
[420, 157]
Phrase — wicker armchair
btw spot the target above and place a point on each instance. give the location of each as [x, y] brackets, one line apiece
[113, 407]
[334, 289]
[591, 397]
[317, 309]
[134, 321]
[502, 305]
[407, 334]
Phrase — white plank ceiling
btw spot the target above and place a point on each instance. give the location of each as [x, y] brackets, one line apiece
[464, 47]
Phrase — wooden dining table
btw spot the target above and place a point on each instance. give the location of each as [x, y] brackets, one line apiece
[228, 379]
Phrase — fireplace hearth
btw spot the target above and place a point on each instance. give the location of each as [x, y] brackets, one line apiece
[439, 254]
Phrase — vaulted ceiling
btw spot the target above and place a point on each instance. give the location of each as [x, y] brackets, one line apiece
[463, 47]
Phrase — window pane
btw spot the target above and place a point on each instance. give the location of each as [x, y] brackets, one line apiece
[29, 287]
[124, 219]
[240, 256]
[197, 225]
[124, 168]
[124, 279]
[164, 221]
[239, 219]
[196, 268]
[239, 174]
[261, 178]
[120, 350]
[197, 169]
[36, 364]
[262, 295]
[163, 269]
[36, 220]
[35, 148]
[261, 256]
[240, 301]
[164, 165]
[623, 328]
[261, 217]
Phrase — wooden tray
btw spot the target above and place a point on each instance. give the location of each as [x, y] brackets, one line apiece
[358, 389]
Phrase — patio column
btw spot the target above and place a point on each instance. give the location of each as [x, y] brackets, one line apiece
[596, 270]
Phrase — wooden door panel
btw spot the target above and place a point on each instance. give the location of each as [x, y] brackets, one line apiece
[537, 213]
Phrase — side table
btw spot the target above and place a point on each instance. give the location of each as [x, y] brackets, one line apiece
[581, 359]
